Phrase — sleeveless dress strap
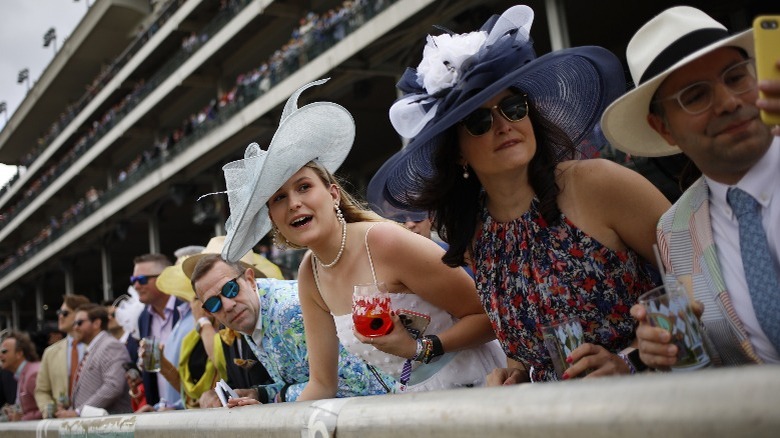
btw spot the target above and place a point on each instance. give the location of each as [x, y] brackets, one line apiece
[368, 251]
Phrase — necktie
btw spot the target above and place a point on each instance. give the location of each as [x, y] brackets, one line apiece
[74, 365]
[762, 277]
[81, 365]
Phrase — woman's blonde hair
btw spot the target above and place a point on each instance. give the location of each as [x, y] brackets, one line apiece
[352, 209]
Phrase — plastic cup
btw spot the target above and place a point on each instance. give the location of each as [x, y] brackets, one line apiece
[561, 338]
[151, 355]
[371, 307]
[672, 312]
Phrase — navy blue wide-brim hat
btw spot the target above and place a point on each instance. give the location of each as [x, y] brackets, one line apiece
[459, 73]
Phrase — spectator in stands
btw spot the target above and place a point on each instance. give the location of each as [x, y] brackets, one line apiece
[100, 379]
[61, 360]
[157, 320]
[697, 93]
[175, 397]
[306, 206]
[549, 237]
[17, 355]
[267, 313]
[117, 331]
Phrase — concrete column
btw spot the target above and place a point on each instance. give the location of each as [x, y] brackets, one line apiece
[154, 234]
[39, 302]
[14, 314]
[69, 288]
[556, 22]
[105, 266]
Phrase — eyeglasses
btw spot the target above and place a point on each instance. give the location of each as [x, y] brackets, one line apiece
[142, 279]
[513, 108]
[229, 290]
[78, 322]
[63, 313]
[698, 97]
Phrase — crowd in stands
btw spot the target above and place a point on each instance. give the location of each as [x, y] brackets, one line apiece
[314, 33]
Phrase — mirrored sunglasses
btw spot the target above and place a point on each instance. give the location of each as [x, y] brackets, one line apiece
[513, 108]
[63, 313]
[229, 290]
[141, 279]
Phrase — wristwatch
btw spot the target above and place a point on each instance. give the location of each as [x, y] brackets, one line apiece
[630, 356]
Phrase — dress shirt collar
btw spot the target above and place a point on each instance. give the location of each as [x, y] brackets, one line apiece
[760, 181]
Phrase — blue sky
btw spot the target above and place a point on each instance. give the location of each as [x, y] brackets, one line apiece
[22, 26]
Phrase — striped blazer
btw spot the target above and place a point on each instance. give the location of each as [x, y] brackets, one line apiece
[689, 254]
[101, 381]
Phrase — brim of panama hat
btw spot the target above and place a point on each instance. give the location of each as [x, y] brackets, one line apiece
[320, 131]
[569, 87]
[625, 121]
[215, 246]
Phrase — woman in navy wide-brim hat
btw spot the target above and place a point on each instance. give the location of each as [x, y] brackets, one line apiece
[494, 133]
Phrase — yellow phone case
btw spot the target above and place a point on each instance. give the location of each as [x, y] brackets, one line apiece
[766, 35]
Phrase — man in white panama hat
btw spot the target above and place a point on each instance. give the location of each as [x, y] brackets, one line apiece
[697, 93]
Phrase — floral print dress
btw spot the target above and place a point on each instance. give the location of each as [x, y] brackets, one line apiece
[529, 274]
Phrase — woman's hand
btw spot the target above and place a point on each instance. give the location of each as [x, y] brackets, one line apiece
[242, 401]
[595, 360]
[398, 342]
[506, 376]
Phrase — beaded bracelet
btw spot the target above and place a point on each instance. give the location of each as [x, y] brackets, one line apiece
[629, 364]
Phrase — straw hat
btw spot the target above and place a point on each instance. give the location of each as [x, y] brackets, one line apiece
[262, 267]
[672, 39]
[460, 72]
[320, 131]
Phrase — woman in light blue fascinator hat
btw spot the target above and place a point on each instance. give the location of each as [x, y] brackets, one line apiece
[493, 132]
[291, 189]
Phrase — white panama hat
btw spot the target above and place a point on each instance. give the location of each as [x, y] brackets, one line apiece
[669, 41]
[320, 131]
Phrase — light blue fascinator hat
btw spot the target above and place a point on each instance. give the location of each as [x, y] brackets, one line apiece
[320, 131]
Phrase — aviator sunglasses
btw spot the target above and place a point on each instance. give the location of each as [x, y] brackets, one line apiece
[229, 290]
[513, 108]
[141, 279]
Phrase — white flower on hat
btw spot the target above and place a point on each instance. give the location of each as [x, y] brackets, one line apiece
[443, 57]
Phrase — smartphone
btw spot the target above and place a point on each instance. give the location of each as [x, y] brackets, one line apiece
[414, 322]
[766, 36]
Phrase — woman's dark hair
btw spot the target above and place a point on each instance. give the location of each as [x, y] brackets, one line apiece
[454, 202]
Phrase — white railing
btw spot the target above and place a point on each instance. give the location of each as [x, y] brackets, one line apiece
[733, 402]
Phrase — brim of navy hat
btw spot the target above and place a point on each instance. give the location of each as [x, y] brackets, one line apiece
[288, 152]
[625, 121]
[569, 87]
[379, 202]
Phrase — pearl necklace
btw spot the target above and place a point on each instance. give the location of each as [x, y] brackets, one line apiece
[341, 250]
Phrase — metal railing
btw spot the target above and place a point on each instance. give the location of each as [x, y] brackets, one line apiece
[734, 402]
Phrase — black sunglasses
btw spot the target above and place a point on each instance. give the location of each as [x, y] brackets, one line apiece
[141, 279]
[229, 290]
[513, 108]
[63, 313]
[77, 323]
[4, 351]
